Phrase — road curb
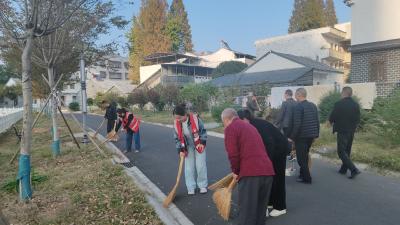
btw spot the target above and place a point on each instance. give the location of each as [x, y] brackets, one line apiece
[155, 197]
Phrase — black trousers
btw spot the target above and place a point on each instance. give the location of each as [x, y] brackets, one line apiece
[278, 192]
[110, 125]
[303, 146]
[344, 143]
[253, 196]
[286, 131]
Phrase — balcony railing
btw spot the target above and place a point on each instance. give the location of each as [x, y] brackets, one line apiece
[335, 33]
[339, 56]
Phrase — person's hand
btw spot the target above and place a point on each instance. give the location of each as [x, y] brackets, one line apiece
[235, 176]
[182, 154]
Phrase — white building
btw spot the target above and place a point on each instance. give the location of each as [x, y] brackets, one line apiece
[328, 45]
[110, 73]
[375, 45]
[180, 69]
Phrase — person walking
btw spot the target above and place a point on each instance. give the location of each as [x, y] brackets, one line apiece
[250, 165]
[305, 130]
[277, 147]
[253, 105]
[191, 138]
[131, 124]
[345, 118]
[284, 119]
[111, 114]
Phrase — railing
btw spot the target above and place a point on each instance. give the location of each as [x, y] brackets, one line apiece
[8, 117]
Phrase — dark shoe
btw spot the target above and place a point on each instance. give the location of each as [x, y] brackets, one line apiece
[354, 174]
[301, 180]
[343, 172]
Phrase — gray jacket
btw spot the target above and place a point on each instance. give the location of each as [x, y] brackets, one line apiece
[285, 116]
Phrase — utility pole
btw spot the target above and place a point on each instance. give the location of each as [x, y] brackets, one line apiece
[83, 94]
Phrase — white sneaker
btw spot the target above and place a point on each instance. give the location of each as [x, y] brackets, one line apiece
[203, 190]
[275, 213]
[191, 192]
[267, 213]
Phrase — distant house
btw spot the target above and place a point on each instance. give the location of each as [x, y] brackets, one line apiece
[276, 69]
[375, 45]
[180, 69]
[6, 102]
[329, 45]
[72, 90]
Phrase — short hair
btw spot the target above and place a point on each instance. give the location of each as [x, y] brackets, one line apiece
[228, 113]
[245, 114]
[180, 110]
[289, 92]
[302, 92]
[104, 101]
[347, 91]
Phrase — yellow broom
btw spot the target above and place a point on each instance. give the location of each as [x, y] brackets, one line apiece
[224, 182]
[172, 194]
[222, 199]
[97, 131]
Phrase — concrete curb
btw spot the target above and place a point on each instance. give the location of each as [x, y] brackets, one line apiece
[155, 197]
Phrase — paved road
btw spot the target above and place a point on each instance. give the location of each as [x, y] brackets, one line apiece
[332, 199]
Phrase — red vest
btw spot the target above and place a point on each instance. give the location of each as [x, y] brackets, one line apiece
[194, 127]
[133, 125]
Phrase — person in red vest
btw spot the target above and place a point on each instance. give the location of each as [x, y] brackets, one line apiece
[130, 124]
[190, 138]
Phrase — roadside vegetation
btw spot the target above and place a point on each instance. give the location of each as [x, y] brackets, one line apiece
[79, 187]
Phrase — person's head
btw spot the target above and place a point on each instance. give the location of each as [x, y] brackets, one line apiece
[227, 116]
[180, 112]
[245, 114]
[105, 103]
[288, 94]
[347, 92]
[121, 112]
[301, 94]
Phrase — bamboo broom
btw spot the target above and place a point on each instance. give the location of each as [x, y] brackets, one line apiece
[98, 129]
[172, 194]
[222, 199]
[224, 182]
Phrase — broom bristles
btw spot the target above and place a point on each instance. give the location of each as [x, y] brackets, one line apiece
[224, 182]
[222, 199]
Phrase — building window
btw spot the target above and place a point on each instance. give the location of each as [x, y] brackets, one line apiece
[114, 64]
[72, 86]
[74, 98]
[116, 76]
[377, 71]
[126, 64]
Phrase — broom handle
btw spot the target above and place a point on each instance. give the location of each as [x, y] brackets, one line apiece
[97, 131]
[232, 184]
[178, 178]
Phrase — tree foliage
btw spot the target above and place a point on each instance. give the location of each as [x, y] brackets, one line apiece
[178, 28]
[199, 95]
[229, 67]
[138, 97]
[148, 35]
[312, 14]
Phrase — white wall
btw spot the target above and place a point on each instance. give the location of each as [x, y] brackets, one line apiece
[147, 71]
[325, 78]
[272, 62]
[365, 91]
[307, 44]
[375, 20]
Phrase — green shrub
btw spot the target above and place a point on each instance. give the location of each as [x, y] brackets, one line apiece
[386, 119]
[123, 101]
[199, 95]
[74, 106]
[326, 105]
[217, 110]
[90, 101]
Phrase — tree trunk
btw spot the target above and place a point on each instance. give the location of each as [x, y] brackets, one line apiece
[56, 138]
[24, 171]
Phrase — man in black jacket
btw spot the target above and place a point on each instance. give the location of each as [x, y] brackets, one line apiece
[277, 148]
[285, 117]
[305, 131]
[345, 118]
[111, 114]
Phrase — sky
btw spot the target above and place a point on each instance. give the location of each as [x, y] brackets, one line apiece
[238, 22]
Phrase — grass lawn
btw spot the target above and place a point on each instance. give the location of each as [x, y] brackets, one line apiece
[367, 148]
[82, 187]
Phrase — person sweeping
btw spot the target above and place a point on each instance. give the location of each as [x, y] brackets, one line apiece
[110, 116]
[190, 138]
[251, 167]
[131, 125]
